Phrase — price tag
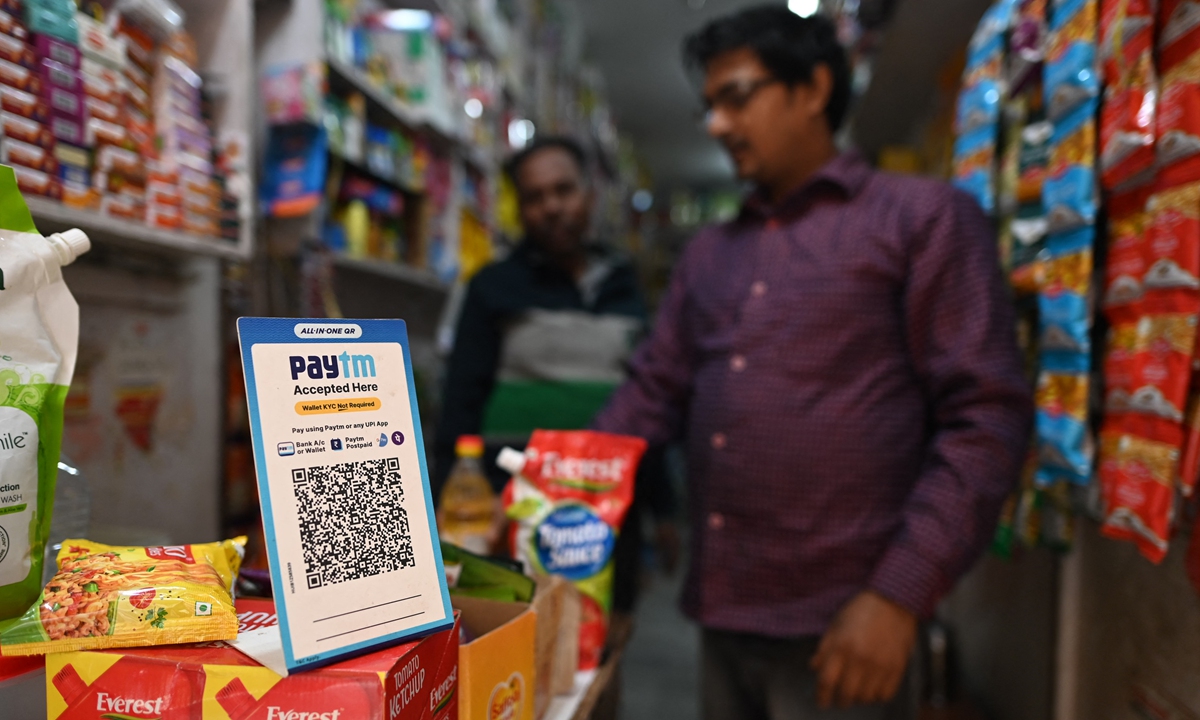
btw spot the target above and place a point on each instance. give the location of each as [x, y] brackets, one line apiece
[342, 480]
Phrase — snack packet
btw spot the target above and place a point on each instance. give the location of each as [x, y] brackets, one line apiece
[1180, 36]
[39, 334]
[568, 497]
[1128, 226]
[1172, 279]
[1136, 478]
[1178, 124]
[109, 597]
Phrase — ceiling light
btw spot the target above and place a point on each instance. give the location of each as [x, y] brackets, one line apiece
[473, 108]
[642, 200]
[406, 20]
[520, 132]
[804, 8]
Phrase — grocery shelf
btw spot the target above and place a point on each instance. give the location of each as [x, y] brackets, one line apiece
[422, 279]
[52, 216]
[358, 80]
[363, 169]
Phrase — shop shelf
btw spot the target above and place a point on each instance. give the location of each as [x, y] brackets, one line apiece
[52, 216]
[363, 169]
[416, 277]
[358, 80]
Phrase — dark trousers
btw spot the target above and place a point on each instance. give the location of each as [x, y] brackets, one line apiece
[752, 677]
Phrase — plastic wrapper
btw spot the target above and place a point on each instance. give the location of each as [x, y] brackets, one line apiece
[1126, 40]
[1179, 37]
[1127, 127]
[1147, 371]
[1137, 488]
[109, 597]
[974, 166]
[1069, 194]
[1178, 124]
[1172, 279]
[1065, 448]
[1128, 227]
[1026, 44]
[568, 497]
[1071, 77]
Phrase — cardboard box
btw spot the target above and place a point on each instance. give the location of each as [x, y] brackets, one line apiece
[559, 611]
[213, 681]
[497, 673]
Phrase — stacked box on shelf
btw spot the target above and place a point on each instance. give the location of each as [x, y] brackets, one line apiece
[125, 150]
[28, 142]
[186, 149]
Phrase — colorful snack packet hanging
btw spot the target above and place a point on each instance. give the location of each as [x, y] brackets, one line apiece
[1069, 193]
[1071, 80]
[1137, 485]
[1127, 123]
[1128, 227]
[1064, 442]
[1026, 45]
[974, 166]
[109, 597]
[568, 496]
[1178, 124]
[1126, 40]
[1149, 368]
[1172, 279]
[1180, 36]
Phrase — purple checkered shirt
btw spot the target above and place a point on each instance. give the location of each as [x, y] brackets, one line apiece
[844, 371]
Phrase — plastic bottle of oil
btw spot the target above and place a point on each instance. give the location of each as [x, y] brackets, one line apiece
[467, 511]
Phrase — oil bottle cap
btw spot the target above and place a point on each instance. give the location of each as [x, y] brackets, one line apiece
[469, 446]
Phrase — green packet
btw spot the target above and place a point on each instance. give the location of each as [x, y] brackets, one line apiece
[39, 337]
[473, 575]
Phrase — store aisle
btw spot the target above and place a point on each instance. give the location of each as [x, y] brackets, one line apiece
[660, 670]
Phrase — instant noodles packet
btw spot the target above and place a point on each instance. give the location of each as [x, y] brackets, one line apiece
[107, 596]
[569, 495]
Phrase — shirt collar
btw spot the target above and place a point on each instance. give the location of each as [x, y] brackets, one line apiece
[847, 173]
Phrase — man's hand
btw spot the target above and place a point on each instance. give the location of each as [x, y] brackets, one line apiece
[863, 657]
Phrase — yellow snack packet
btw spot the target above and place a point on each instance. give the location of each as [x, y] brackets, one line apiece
[106, 596]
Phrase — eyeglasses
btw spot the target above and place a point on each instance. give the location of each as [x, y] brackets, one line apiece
[732, 98]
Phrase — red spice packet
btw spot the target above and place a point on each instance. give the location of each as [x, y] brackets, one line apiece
[1127, 119]
[1136, 477]
[1180, 36]
[1178, 131]
[1126, 264]
[1172, 279]
[1126, 38]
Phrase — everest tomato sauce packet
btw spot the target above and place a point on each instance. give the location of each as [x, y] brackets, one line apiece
[569, 496]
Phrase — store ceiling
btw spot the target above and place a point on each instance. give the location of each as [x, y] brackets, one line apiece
[636, 45]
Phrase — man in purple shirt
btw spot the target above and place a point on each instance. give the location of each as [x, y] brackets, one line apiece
[841, 362]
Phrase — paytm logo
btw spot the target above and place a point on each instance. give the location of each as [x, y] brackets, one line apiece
[329, 367]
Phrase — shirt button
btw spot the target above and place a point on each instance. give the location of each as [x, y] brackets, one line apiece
[716, 521]
[719, 440]
[758, 289]
[737, 363]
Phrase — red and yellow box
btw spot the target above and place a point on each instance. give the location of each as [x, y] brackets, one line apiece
[496, 668]
[213, 681]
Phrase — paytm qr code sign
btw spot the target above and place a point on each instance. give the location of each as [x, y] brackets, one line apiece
[347, 510]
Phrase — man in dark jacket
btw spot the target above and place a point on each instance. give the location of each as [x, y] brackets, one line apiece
[544, 335]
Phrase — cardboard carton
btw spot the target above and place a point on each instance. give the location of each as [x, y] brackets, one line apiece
[558, 609]
[497, 673]
[213, 681]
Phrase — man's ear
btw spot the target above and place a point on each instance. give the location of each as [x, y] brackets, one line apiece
[821, 90]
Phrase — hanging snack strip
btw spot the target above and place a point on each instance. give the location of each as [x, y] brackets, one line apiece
[1128, 113]
[1072, 87]
[977, 118]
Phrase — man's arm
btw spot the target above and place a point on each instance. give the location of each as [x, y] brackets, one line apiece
[649, 404]
[470, 377]
[961, 338]
[962, 341]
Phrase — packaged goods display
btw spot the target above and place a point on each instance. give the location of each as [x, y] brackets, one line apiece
[568, 498]
[107, 597]
[39, 331]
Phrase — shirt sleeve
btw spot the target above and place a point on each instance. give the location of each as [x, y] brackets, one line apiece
[960, 329]
[470, 378]
[649, 404]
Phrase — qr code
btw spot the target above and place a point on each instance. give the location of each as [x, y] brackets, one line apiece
[352, 521]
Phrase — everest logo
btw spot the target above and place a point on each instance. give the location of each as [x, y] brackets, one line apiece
[106, 703]
[278, 713]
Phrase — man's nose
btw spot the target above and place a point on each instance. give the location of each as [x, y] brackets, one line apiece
[717, 123]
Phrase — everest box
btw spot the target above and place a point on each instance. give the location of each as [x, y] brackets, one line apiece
[212, 681]
[347, 512]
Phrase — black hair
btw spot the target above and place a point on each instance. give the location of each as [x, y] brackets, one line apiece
[550, 142]
[789, 46]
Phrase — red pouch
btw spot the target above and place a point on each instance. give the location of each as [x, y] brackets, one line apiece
[1180, 36]
[1178, 132]
[1126, 37]
[1127, 135]
[1126, 263]
[568, 497]
[1159, 371]
[1136, 477]
[1172, 279]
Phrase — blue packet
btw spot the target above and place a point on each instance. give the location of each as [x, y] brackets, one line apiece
[1070, 199]
[1066, 324]
[1071, 80]
[974, 166]
[978, 107]
[1065, 448]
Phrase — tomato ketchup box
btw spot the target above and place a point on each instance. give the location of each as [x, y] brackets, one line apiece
[213, 681]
